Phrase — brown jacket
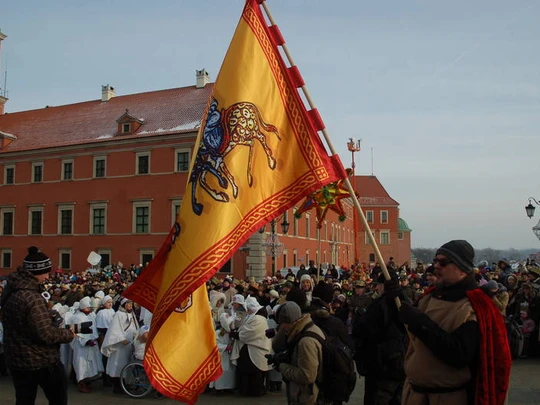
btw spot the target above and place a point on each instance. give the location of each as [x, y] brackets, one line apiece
[31, 341]
[306, 364]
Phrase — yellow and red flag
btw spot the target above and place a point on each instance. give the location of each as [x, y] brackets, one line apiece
[258, 152]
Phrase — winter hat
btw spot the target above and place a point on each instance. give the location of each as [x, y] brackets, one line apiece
[460, 252]
[106, 299]
[491, 285]
[36, 262]
[252, 305]
[289, 312]
[324, 292]
[430, 269]
[273, 294]
[99, 294]
[85, 303]
[125, 301]
[297, 295]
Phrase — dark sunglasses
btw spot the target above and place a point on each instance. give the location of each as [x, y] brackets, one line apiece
[442, 262]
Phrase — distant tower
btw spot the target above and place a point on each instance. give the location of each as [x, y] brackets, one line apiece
[3, 91]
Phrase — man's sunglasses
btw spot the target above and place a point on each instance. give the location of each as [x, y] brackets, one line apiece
[442, 262]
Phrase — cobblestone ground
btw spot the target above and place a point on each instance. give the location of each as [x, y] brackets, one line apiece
[524, 390]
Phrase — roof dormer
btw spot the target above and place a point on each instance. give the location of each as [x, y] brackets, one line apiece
[6, 139]
[128, 124]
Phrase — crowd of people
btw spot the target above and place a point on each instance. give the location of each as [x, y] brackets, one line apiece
[266, 330]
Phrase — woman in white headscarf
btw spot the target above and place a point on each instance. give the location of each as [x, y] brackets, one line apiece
[217, 306]
[306, 284]
[118, 342]
[238, 310]
[86, 357]
[249, 350]
[227, 381]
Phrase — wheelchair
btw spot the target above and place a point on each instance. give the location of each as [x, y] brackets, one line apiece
[135, 382]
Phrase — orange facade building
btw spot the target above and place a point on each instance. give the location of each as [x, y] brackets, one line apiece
[108, 175]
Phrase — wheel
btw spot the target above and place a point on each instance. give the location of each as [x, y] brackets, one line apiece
[134, 380]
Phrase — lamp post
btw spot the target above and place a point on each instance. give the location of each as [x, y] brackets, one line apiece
[529, 209]
[273, 245]
[354, 146]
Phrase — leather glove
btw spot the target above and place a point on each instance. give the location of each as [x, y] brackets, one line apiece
[411, 315]
[392, 289]
[270, 333]
[233, 334]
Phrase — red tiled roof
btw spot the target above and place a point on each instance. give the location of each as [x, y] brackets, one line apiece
[164, 112]
[372, 192]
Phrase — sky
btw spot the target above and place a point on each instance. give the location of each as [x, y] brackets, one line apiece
[444, 95]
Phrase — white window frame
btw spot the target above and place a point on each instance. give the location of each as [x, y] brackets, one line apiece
[66, 207]
[30, 211]
[139, 155]
[6, 210]
[295, 257]
[65, 251]
[102, 252]
[175, 203]
[34, 165]
[383, 213]
[141, 204]
[96, 158]
[6, 168]
[143, 252]
[64, 162]
[295, 223]
[383, 233]
[400, 235]
[2, 263]
[367, 242]
[126, 125]
[370, 214]
[176, 152]
[308, 226]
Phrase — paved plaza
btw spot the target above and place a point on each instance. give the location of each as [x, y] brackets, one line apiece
[524, 390]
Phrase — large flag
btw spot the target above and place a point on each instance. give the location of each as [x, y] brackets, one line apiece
[258, 152]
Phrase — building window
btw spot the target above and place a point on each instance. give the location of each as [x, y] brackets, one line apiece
[65, 221]
[308, 227]
[182, 160]
[176, 204]
[141, 217]
[384, 237]
[372, 257]
[105, 257]
[9, 175]
[37, 172]
[325, 230]
[36, 222]
[369, 216]
[146, 257]
[65, 259]
[7, 218]
[6, 259]
[285, 255]
[400, 235]
[307, 257]
[126, 128]
[295, 224]
[384, 217]
[143, 163]
[98, 219]
[367, 237]
[100, 165]
[67, 170]
[295, 257]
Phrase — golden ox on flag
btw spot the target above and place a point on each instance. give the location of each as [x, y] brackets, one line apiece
[258, 152]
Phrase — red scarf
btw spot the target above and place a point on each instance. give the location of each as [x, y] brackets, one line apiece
[495, 360]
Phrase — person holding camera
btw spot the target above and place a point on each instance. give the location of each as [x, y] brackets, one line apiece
[32, 335]
[300, 361]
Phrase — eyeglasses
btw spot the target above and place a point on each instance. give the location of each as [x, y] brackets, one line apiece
[442, 262]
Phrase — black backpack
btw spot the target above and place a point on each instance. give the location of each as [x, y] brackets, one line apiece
[339, 375]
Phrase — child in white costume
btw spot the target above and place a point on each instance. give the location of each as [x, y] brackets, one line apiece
[227, 381]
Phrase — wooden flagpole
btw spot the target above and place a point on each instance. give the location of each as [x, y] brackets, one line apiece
[333, 151]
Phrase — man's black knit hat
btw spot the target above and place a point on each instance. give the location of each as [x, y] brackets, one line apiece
[460, 252]
[324, 292]
[37, 262]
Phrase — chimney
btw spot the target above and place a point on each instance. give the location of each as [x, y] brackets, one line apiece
[2, 104]
[202, 78]
[107, 92]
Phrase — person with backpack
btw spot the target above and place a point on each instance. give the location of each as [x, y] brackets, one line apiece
[380, 339]
[302, 356]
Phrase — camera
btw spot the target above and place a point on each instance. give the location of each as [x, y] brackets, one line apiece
[83, 327]
[278, 358]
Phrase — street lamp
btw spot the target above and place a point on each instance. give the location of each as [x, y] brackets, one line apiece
[273, 245]
[529, 209]
[354, 146]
